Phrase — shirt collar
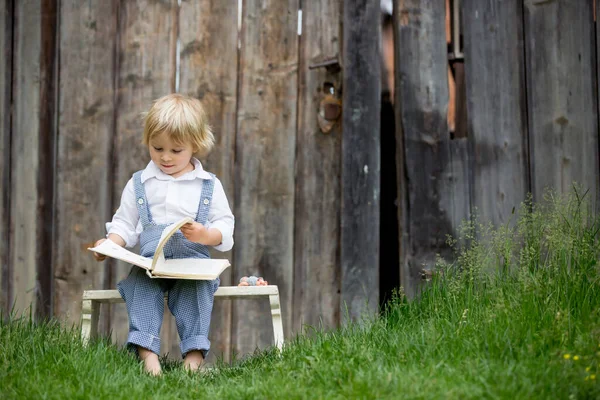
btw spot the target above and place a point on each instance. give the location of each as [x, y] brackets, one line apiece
[152, 171]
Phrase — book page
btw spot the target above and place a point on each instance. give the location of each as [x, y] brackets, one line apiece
[111, 249]
[191, 268]
[164, 237]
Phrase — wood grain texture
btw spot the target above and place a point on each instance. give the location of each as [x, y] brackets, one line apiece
[433, 177]
[46, 156]
[208, 71]
[562, 98]
[459, 184]
[85, 125]
[496, 106]
[361, 159]
[401, 181]
[318, 165]
[24, 220]
[6, 27]
[265, 152]
[146, 71]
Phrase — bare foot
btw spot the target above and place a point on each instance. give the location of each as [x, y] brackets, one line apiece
[193, 360]
[151, 362]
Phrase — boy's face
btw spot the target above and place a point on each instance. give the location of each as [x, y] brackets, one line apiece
[172, 158]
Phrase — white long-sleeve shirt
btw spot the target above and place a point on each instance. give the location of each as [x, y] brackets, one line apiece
[169, 200]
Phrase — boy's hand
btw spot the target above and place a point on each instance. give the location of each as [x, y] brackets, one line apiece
[195, 232]
[97, 256]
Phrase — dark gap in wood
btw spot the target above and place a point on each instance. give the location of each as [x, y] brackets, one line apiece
[389, 261]
[7, 140]
[111, 177]
[525, 102]
[460, 99]
[297, 275]
[597, 79]
[46, 143]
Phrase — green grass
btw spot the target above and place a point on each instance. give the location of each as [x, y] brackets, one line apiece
[516, 316]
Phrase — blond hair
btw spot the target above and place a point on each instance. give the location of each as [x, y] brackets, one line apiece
[183, 118]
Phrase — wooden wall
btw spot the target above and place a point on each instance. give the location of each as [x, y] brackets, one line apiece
[76, 76]
[531, 96]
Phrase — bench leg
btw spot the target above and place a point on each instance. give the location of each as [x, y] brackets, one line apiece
[277, 324]
[90, 312]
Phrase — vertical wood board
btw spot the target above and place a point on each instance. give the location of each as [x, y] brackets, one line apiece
[562, 98]
[361, 159]
[146, 71]
[208, 71]
[46, 157]
[85, 129]
[432, 179]
[318, 165]
[496, 108]
[265, 152]
[401, 181]
[24, 169]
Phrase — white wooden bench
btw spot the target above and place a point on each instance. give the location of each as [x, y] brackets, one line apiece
[92, 299]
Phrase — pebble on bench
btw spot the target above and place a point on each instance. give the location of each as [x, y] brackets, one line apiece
[252, 281]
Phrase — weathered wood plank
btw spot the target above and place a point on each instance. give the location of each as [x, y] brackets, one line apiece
[6, 26]
[361, 159]
[208, 71]
[432, 180]
[401, 181]
[85, 124]
[265, 148]
[146, 71]
[24, 170]
[317, 211]
[459, 185]
[47, 143]
[496, 109]
[561, 91]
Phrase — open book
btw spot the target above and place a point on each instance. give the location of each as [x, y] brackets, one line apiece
[158, 267]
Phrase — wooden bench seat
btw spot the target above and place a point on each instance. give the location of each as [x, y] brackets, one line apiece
[92, 299]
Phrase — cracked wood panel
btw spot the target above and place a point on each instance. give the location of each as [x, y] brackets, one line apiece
[434, 186]
[496, 108]
[6, 26]
[317, 210]
[208, 71]
[265, 152]
[85, 126]
[146, 71]
[561, 90]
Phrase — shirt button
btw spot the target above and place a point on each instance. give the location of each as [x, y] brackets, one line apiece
[206, 201]
[140, 201]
